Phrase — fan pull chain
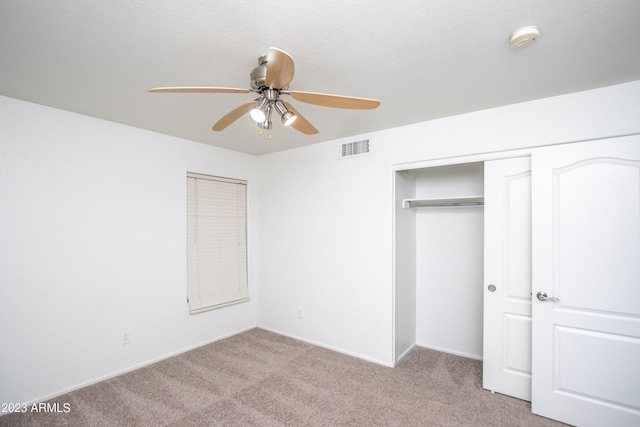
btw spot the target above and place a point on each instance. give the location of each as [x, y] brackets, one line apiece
[260, 133]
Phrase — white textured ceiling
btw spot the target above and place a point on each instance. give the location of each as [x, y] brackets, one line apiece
[422, 59]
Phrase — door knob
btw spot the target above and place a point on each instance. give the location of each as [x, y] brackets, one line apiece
[542, 296]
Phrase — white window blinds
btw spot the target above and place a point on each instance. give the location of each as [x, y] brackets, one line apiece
[216, 242]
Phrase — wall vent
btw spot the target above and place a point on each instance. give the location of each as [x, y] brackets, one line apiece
[355, 148]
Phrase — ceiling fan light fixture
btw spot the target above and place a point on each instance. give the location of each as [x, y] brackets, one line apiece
[286, 116]
[259, 112]
[270, 79]
[257, 115]
[267, 123]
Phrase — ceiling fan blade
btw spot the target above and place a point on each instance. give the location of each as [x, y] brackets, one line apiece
[335, 101]
[198, 90]
[301, 124]
[233, 115]
[280, 69]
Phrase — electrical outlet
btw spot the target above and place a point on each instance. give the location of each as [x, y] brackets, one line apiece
[125, 337]
[300, 314]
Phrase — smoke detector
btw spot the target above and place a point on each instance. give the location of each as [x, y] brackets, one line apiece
[524, 36]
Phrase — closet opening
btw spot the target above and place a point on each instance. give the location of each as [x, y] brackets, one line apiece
[439, 259]
[463, 266]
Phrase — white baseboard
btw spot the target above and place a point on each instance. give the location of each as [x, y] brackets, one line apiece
[136, 366]
[329, 347]
[448, 350]
[404, 353]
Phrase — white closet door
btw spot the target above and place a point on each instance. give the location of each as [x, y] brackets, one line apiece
[507, 277]
[586, 258]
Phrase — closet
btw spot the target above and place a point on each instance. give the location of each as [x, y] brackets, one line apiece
[530, 262]
[444, 208]
[472, 292]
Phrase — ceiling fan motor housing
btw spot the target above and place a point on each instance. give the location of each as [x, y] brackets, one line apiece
[259, 74]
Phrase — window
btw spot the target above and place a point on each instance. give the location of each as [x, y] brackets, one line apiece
[216, 242]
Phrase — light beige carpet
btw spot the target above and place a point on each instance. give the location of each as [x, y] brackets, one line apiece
[259, 378]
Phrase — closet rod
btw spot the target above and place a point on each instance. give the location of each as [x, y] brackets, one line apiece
[443, 202]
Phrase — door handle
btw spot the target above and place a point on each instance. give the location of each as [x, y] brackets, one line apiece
[542, 296]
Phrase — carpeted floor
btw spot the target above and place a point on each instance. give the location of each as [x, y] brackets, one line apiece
[259, 378]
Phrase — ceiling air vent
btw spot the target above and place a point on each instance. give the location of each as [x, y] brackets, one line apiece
[355, 148]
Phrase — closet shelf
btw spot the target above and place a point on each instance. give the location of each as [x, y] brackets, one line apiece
[443, 202]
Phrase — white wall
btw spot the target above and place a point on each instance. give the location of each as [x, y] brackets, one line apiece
[598, 113]
[404, 292]
[326, 232]
[92, 243]
[326, 224]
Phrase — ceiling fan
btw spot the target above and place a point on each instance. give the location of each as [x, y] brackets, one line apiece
[270, 79]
